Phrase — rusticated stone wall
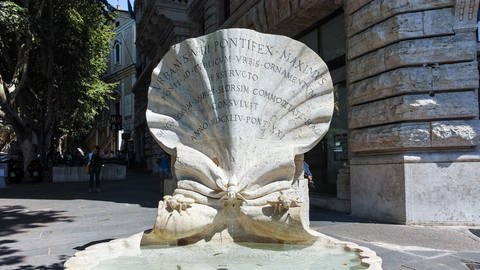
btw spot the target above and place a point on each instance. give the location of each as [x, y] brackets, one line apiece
[414, 129]
[411, 70]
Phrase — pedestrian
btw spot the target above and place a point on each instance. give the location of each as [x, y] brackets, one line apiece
[307, 174]
[94, 166]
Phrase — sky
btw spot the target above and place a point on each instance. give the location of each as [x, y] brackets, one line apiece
[122, 3]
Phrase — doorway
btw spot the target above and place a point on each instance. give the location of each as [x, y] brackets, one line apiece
[328, 39]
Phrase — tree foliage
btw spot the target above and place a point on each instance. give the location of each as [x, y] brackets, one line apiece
[52, 57]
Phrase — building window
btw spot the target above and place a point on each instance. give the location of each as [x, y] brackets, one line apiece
[328, 39]
[117, 53]
[333, 41]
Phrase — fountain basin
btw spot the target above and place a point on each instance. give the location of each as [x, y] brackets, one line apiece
[127, 254]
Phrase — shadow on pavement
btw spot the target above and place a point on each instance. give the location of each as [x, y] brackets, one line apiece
[16, 219]
[139, 188]
[321, 214]
[476, 232]
[472, 265]
[55, 266]
[79, 248]
[7, 256]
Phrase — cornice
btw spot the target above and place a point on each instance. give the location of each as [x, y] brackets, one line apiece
[120, 74]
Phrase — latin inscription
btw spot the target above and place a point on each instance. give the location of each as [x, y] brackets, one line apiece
[252, 61]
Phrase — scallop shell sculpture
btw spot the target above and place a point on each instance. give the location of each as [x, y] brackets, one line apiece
[234, 108]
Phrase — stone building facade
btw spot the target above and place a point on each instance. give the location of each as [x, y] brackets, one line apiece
[404, 141]
[159, 25]
[114, 125]
[121, 69]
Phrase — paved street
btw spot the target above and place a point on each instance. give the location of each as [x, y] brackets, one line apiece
[41, 225]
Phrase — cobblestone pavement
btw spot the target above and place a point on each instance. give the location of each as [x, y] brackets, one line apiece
[42, 225]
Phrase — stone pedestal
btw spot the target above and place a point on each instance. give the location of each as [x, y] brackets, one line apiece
[300, 185]
[420, 189]
[78, 174]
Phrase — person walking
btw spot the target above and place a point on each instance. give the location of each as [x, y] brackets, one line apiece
[94, 167]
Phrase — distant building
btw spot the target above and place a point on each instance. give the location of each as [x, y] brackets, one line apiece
[403, 145]
[114, 129]
[159, 25]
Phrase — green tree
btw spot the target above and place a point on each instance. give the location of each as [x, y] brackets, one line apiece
[52, 57]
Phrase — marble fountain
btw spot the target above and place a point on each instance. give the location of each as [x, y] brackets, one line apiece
[236, 109]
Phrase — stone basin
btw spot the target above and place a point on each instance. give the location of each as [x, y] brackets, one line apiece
[127, 254]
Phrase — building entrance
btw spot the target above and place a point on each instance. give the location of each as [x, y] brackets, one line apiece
[331, 154]
[330, 157]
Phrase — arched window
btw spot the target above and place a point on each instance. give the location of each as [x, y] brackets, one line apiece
[117, 53]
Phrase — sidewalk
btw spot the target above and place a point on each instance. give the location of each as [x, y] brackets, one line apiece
[406, 247]
[42, 225]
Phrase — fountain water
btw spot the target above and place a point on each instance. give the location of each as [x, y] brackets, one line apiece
[236, 109]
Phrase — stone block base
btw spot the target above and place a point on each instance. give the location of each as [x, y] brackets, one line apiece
[78, 174]
[425, 189]
[443, 193]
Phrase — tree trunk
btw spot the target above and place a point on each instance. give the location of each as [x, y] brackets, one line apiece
[28, 151]
[47, 156]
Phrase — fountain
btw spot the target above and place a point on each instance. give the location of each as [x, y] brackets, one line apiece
[236, 109]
